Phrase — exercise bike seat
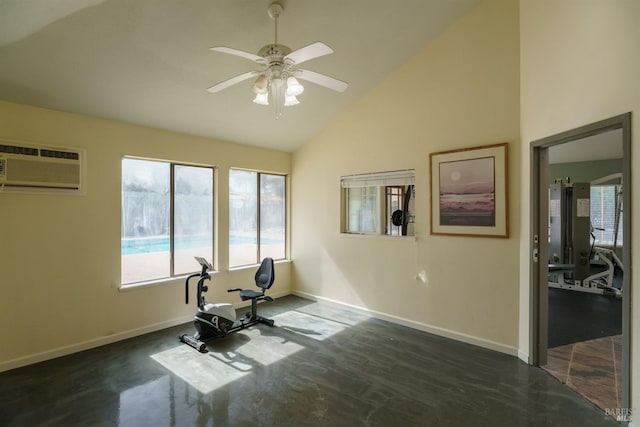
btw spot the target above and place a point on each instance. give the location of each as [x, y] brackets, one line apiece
[246, 294]
[264, 278]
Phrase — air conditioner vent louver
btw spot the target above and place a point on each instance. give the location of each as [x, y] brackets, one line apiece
[29, 168]
[13, 149]
[59, 154]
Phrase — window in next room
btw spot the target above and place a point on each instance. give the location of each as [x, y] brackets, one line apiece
[378, 203]
[606, 215]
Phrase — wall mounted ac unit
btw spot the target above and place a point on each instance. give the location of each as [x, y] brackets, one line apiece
[24, 167]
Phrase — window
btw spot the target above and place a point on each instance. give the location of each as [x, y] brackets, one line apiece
[606, 200]
[167, 218]
[257, 217]
[362, 210]
[378, 203]
[394, 200]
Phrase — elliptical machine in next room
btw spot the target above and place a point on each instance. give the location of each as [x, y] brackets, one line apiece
[219, 320]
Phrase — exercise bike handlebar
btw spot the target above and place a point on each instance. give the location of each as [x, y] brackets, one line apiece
[201, 287]
[186, 287]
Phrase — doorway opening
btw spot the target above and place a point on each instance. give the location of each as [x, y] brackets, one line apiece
[580, 216]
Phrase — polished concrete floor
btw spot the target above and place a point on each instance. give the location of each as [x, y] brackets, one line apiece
[321, 365]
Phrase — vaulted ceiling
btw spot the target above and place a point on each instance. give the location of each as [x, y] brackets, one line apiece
[148, 62]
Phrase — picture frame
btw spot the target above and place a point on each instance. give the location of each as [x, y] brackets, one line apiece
[470, 192]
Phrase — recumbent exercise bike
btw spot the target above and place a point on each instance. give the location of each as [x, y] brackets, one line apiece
[219, 320]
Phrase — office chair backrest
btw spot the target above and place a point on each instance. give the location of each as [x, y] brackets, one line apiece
[265, 274]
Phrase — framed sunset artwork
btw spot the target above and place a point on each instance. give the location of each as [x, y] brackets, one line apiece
[469, 191]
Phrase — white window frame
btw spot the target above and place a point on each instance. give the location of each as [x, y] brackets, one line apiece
[599, 233]
[172, 165]
[259, 174]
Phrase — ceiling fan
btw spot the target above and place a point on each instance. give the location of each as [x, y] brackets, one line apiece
[280, 71]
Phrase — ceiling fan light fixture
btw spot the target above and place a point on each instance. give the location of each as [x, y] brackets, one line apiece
[294, 88]
[277, 94]
[290, 100]
[262, 98]
[261, 85]
[276, 84]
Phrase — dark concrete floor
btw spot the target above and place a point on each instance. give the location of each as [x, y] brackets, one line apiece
[320, 366]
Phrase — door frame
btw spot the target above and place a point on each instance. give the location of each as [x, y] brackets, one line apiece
[538, 283]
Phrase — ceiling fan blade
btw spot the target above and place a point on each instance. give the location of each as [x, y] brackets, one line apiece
[241, 53]
[306, 53]
[322, 80]
[233, 80]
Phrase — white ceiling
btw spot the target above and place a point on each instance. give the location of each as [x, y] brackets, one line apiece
[148, 61]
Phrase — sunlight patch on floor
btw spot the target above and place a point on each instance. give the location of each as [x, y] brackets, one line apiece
[199, 370]
[261, 348]
[310, 326]
[231, 358]
[208, 371]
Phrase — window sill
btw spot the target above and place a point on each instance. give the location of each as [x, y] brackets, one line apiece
[157, 282]
[377, 236]
[180, 279]
[255, 266]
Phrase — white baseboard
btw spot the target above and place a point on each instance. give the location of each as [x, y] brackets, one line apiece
[458, 336]
[523, 356]
[92, 343]
[109, 339]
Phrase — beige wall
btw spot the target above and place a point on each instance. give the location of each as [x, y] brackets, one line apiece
[460, 91]
[580, 64]
[60, 255]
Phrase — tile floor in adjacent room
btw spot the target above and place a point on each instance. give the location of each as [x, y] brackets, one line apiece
[592, 368]
[322, 365]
